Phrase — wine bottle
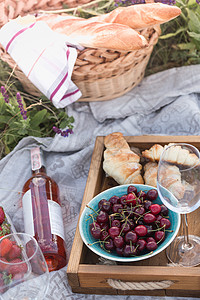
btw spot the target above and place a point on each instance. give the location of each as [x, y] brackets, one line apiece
[42, 213]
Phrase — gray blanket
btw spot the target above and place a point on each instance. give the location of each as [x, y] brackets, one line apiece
[167, 103]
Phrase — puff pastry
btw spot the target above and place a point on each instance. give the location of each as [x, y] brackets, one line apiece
[170, 178]
[150, 173]
[120, 162]
[154, 153]
[176, 154]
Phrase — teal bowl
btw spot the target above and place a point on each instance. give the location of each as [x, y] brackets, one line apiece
[86, 220]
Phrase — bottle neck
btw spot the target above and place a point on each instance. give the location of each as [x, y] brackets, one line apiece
[38, 171]
[37, 161]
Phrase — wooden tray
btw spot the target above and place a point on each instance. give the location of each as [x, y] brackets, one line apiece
[86, 275]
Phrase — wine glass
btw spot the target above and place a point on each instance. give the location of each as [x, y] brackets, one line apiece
[24, 273]
[178, 183]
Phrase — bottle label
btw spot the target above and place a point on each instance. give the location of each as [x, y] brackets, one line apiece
[55, 216]
[56, 219]
[28, 213]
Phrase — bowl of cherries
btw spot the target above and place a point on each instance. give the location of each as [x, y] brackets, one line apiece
[128, 223]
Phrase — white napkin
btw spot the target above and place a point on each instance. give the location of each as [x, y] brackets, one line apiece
[47, 59]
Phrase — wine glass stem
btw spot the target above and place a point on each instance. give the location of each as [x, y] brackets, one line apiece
[185, 231]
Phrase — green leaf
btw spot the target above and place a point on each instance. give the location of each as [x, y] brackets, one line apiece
[172, 34]
[186, 46]
[38, 118]
[4, 119]
[194, 35]
[194, 21]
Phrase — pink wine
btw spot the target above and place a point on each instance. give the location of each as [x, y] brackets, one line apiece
[42, 213]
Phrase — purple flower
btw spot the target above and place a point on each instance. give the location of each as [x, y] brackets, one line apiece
[5, 94]
[62, 132]
[197, 1]
[21, 107]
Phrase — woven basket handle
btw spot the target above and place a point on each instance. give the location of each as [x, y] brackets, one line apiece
[151, 285]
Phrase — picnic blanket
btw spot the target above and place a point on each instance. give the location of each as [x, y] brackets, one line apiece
[166, 103]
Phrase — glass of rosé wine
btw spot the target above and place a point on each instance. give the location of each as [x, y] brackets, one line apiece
[178, 183]
[23, 270]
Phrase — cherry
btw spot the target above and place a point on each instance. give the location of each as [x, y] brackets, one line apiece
[104, 226]
[150, 239]
[104, 235]
[165, 222]
[164, 210]
[129, 211]
[131, 189]
[109, 244]
[139, 210]
[106, 206]
[95, 232]
[113, 232]
[101, 203]
[159, 236]
[123, 200]
[147, 204]
[141, 244]
[125, 227]
[141, 230]
[114, 200]
[131, 199]
[131, 236]
[149, 228]
[152, 194]
[116, 223]
[117, 208]
[102, 217]
[141, 195]
[94, 224]
[151, 246]
[118, 241]
[129, 250]
[119, 251]
[149, 218]
[155, 209]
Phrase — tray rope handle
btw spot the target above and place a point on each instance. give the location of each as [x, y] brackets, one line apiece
[151, 285]
[142, 286]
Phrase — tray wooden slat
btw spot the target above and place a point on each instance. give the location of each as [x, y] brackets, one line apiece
[86, 275]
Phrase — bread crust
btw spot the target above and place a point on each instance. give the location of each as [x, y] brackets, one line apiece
[96, 34]
[141, 15]
[120, 162]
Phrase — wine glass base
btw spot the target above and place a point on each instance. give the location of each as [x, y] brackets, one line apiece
[181, 254]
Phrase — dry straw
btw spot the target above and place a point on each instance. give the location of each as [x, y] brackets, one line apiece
[100, 74]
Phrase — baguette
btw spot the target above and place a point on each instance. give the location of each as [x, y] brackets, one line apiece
[140, 16]
[95, 34]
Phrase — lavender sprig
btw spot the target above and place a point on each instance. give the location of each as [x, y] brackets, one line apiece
[62, 132]
[21, 107]
[4, 94]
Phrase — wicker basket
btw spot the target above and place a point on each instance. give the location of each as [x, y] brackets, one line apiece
[99, 74]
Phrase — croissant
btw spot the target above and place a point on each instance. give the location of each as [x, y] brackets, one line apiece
[154, 153]
[170, 178]
[150, 173]
[180, 156]
[120, 162]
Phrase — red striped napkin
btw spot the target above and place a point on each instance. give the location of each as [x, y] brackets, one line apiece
[47, 58]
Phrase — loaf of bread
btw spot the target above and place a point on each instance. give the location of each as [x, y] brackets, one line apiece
[120, 162]
[96, 34]
[140, 16]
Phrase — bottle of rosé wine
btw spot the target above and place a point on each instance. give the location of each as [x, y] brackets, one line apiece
[42, 213]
